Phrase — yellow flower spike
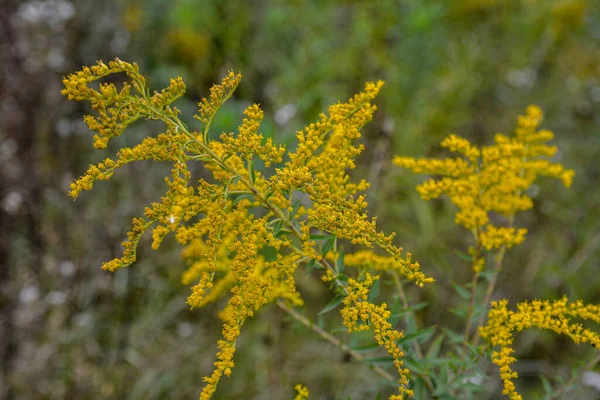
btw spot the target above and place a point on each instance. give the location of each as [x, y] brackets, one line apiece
[461, 145]
[554, 316]
[116, 109]
[140, 226]
[492, 178]
[495, 237]
[301, 392]
[249, 142]
[360, 315]
[208, 107]
[478, 265]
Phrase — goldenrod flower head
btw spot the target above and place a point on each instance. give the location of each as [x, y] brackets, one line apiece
[117, 109]
[248, 142]
[491, 179]
[361, 315]
[554, 316]
[208, 107]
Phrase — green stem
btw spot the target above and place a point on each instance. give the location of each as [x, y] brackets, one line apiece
[490, 289]
[474, 280]
[331, 339]
[416, 345]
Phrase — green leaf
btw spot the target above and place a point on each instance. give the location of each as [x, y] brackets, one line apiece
[366, 348]
[413, 365]
[321, 236]
[279, 229]
[242, 197]
[396, 310]
[419, 389]
[341, 329]
[278, 224]
[310, 266]
[441, 390]
[463, 256]
[320, 321]
[268, 193]
[339, 263]
[374, 293]
[488, 275]
[414, 307]
[327, 245]
[283, 231]
[459, 312]
[478, 311]
[251, 171]
[548, 389]
[453, 336]
[461, 291]
[422, 335]
[434, 350]
[419, 306]
[434, 362]
[295, 207]
[342, 278]
[336, 301]
[385, 360]
[411, 323]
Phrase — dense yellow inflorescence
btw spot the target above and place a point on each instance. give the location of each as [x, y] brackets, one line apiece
[208, 106]
[491, 179]
[555, 316]
[368, 260]
[248, 141]
[230, 221]
[361, 315]
[302, 392]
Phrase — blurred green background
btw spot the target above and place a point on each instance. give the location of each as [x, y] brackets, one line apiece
[69, 330]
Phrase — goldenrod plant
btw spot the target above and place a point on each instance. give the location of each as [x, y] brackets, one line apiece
[485, 184]
[267, 210]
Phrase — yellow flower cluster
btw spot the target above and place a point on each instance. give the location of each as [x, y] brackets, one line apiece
[323, 176]
[301, 392]
[248, 141]
[554, 316]
[361, 315]
[491, 179]
[248, 296]
[325, 152]
[212, 226]
[164, 147]
[219, 94]
[368, 260]
[223, 235]
[139, 226]
[117, 109]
